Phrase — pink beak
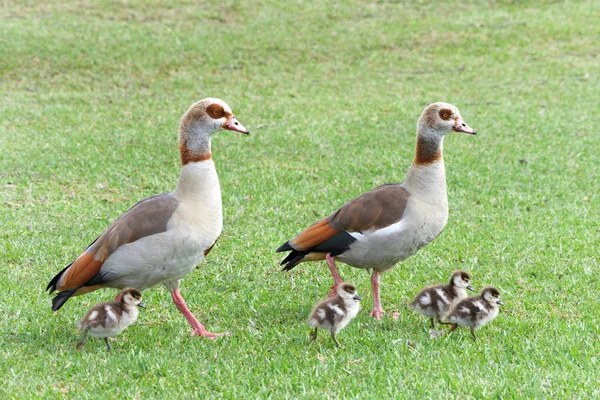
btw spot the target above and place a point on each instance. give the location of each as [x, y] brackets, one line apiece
[232, 124]
[461, 126]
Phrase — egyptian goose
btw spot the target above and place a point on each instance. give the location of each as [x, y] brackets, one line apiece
[334, 313]
[475, 311]
[109, 319]
[435, 301]
[161, 238]
[391, 222]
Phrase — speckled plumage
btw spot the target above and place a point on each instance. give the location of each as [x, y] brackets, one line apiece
[435, 301]
[334, 313]
[475, 311]
[108, 319]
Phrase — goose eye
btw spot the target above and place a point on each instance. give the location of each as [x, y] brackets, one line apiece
[445, 114]
[215, 111]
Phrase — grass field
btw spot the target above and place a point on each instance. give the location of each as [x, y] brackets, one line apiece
[90, 99]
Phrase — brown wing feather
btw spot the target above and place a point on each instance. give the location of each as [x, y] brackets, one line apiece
[145, 218]
[381, 207]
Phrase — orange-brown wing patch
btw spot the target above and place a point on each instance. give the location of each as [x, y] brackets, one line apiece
[313, 236]
[83, 269]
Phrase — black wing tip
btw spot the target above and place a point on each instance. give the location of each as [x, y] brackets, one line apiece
[60, 299]
[289, 265]
[293, 259]
[52, 284]
[54, 281]
[284, 247]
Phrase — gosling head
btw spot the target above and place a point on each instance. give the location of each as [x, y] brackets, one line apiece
[347, 291]
[491, 295]
[462, 280]
[132, 297]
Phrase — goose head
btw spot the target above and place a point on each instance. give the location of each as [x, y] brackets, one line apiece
[199, 123]
[441, 118]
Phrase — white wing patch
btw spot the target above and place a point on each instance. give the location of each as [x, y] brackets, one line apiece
[335, 309]
[110, 314]
[321, 313]
[93, 315]
[425, 299]
[441, 305]
[465, 310]
[442, 295]
[480, 306]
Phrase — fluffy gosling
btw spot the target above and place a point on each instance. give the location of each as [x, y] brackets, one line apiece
[435, 301]
[111, 318]
[475, 311]
[334, 313]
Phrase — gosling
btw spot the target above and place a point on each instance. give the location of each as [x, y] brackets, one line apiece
[475, 311]
[109, 319]
[435, 301]
[334, 313]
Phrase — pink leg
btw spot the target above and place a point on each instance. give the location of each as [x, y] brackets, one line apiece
[337, 278]
[377, 309]
[198, 327]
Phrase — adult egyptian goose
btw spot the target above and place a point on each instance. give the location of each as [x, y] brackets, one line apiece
[163, 237]
[334, 313]
[475, 311]
[391, 222]
[105, 320]
[435, 301]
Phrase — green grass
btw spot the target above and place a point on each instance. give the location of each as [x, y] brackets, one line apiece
[90, 98]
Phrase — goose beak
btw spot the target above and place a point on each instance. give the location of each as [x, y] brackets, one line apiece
[470, 288]
[357, 297]
[500, 302]
[142, 305]
[461, 126]
[232, 124]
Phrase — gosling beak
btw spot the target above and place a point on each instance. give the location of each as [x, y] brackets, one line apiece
[470, 288]
[461, 126]
[142, 305]
[357, 297]
[500, 302]
[233, 124]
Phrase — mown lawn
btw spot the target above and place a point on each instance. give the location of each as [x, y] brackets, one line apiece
[90, 99]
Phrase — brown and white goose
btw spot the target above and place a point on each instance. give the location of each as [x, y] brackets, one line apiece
[161, 238]
[391, 222]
